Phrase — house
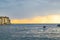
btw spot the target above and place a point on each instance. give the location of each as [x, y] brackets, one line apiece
[4, 20]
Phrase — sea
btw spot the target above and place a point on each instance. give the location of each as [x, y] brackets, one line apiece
[25, 32]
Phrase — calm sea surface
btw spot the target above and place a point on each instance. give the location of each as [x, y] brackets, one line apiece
[24, 32]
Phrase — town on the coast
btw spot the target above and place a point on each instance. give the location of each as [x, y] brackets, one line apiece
[4, 20]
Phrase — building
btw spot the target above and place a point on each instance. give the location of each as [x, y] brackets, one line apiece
[4, 20]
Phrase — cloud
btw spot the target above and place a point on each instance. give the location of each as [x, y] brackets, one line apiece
[20, 9]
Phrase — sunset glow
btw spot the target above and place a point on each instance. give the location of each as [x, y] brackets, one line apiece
[38, 19]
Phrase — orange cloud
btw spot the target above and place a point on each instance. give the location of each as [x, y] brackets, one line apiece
[38, 19]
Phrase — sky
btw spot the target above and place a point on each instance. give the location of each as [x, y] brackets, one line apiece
[28, 8]
[22, 9]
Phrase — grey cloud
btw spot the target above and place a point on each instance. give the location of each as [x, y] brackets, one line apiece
[28, 8]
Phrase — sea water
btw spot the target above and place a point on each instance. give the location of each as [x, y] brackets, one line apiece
[24, 32]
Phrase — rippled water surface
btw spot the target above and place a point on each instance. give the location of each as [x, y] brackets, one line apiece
[24, 32]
